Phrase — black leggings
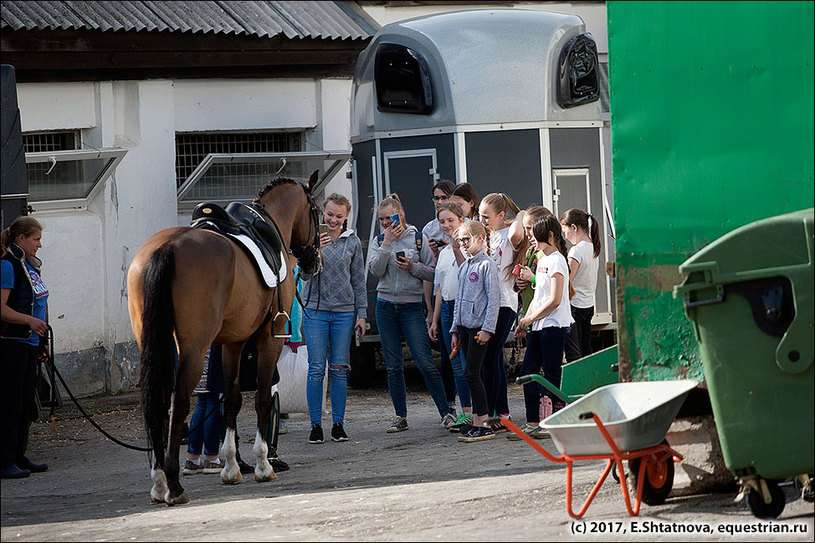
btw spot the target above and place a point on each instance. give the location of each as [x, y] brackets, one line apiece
[474, 355]
[19, 371]
[578, 344]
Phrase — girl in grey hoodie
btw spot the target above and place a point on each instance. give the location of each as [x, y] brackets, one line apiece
[478, 299]
[401, 259]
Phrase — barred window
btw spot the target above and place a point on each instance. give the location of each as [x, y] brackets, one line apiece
[47, 181]
[192, 147]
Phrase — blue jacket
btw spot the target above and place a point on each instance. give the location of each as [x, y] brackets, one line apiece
[478, 298]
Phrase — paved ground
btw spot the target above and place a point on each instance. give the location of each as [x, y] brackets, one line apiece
[419, 485]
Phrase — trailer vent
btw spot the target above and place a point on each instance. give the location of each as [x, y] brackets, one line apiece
[402, 81]
[577, 72]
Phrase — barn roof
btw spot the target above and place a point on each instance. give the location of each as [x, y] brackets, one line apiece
[302, 19]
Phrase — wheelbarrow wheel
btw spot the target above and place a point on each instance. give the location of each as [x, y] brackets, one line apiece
[767, 510]
[659, 477]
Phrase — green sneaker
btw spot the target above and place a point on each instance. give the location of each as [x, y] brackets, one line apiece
[464, 419]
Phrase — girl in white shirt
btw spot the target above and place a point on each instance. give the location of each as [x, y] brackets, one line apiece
[508, 246]
[445, 284]
[547, 321]
[583, 263]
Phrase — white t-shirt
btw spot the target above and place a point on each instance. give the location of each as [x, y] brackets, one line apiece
[501, 251]
[561, 317]
[446, 274]
[585, 279]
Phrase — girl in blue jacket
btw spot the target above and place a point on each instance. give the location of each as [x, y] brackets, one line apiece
[478, 300]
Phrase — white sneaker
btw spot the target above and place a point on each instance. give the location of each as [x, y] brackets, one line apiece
[448, 421]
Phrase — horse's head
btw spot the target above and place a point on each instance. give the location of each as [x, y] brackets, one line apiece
[305, 236]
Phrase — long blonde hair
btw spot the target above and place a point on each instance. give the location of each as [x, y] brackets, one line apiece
[27, 226]
[499, 202]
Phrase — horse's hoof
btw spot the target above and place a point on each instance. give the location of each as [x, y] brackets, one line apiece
[178, 500]
[261, 478]
[231, 478]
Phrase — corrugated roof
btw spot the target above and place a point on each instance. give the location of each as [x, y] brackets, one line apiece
[302, 19]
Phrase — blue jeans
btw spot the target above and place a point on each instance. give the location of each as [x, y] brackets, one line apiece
[328, 333]
[207, 434]
[495, 373]
[459, 364]
[544, 351]
[393, 320]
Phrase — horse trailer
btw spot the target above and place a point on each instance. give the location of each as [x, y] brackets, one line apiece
[504, 99]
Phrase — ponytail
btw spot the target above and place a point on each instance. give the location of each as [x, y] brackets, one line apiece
[595, 235]
[549, 225]
[580, 219]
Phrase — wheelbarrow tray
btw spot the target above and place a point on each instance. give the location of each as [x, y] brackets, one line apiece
[636, 415]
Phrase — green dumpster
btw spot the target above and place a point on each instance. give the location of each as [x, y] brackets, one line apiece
[749, 295]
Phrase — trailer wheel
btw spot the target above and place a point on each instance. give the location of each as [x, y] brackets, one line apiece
[767, 510]
[658, 477]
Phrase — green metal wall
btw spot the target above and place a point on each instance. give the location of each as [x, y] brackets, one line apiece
[712, 128]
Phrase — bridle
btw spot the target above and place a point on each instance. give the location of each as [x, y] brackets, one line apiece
[300, 251]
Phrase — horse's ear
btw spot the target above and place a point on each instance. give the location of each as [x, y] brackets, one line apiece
[312, 180]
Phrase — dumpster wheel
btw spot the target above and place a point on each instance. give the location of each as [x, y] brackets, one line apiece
[762, 509]
[658, 478]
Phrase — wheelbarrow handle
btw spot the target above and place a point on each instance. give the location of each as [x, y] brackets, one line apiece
[585, 416]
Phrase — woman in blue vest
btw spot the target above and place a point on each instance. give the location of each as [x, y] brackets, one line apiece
[23, 315]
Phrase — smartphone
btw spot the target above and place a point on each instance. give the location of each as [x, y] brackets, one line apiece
[516, 270]
[400, 255]
[395, 219]
[323, 228]
[439, 242]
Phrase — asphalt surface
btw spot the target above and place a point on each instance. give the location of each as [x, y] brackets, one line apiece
[418, 485]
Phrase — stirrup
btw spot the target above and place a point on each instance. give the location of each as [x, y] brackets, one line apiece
[274, 325]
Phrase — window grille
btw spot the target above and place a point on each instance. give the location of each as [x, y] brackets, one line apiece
[192, 148]
[45, 182]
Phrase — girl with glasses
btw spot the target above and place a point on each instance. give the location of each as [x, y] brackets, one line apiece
[474, 318]
[437, 240]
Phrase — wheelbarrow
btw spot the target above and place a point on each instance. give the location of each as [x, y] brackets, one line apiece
[618, 422]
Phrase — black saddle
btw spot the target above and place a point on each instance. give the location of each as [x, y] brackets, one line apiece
[239, 218]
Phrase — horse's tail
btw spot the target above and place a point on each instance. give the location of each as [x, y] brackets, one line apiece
[158, 348]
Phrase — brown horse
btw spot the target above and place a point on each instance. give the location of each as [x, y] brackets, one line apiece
[189, 288]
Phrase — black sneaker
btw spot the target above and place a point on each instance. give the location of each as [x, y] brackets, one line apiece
[338, 433]
[398, 424]
[316, 435]
[478, 433]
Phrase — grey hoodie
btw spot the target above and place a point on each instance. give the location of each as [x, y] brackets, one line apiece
[479, 296]
[340, 286]
[397, 285]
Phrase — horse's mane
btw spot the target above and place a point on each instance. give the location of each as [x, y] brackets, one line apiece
[275, 183]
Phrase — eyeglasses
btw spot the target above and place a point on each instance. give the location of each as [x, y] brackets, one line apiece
[439, 198]
[464, 241]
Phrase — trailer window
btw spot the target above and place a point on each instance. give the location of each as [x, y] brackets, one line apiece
[402, 81]
[577, 72]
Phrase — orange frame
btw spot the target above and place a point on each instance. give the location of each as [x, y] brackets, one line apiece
[654, 455]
